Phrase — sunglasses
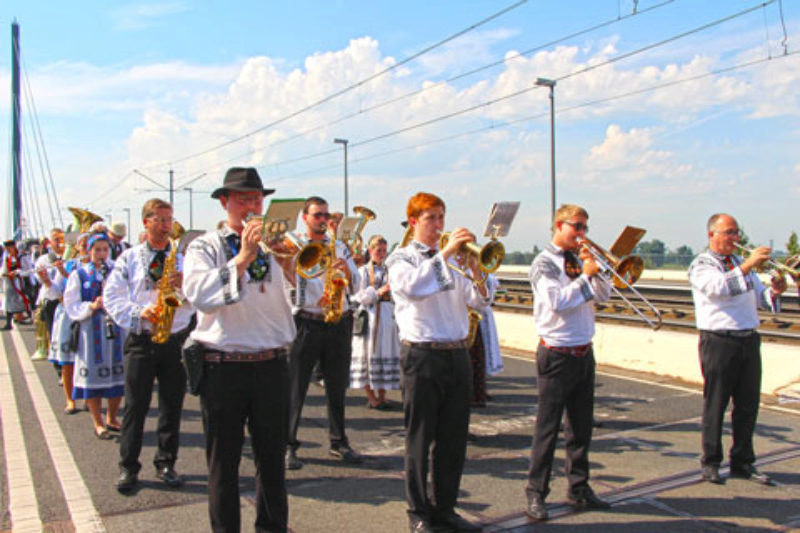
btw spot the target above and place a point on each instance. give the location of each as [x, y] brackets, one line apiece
[731, 232]
[326, 216]
[578, 226]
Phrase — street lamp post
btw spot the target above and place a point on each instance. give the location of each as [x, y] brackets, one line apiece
[343, 142]
[544, 82]
[191, 220]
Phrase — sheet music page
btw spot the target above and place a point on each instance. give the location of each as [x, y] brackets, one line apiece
[500, 219]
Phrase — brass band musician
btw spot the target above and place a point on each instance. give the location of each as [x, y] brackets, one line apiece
[320, 338]
[131, 296]
[431, 309]
[244, 325]
[727, 294]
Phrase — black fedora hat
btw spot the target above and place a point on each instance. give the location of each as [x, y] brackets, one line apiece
[241, 179]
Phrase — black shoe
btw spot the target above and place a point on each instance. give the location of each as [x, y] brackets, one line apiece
[420, 525]
[6, 327]
[346, 454]
[750, 472]
[536, 508]
[127, 480]
[711, 474]
[587, 499]
[454, 522]
[292, 462]
[169, 476]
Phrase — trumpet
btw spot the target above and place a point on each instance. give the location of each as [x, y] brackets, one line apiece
[490, 256]
[308, 257]
[780, 268]
[624, 273]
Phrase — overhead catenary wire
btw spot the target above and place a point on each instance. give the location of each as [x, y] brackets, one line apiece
[497, 125]
[487, 103]
[353, 86]
[451, 79]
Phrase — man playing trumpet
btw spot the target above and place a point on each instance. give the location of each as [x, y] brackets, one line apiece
[431, 309]
[244, 325]
[565, 286]
[727, 294]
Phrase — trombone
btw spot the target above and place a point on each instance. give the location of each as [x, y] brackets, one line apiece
[490, 256]
[624, 273]
[780, 268]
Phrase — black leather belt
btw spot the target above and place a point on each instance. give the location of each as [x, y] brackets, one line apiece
[575, 351]
[212, 356]
[435, 345]
[736, 333]
[319, 317]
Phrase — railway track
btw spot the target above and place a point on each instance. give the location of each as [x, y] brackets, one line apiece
[673, 299]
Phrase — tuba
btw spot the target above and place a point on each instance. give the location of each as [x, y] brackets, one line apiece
[83, 221]
[168, 298]
[490, 256]
[365, 214]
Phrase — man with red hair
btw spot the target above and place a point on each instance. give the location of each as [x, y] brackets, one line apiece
[431, 310]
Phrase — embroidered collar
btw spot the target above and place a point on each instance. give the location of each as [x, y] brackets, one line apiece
[424, 248]
[718, 256]
[153, 250]
[553, 249]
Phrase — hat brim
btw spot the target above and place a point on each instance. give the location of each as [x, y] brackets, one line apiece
[222, 190]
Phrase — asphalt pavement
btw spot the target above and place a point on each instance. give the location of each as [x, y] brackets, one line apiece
[644, 460]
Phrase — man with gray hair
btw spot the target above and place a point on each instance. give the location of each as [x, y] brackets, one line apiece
[727, 294]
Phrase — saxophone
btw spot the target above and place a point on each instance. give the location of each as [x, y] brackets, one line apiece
[475, 318]
[335, 284]
[168, 299]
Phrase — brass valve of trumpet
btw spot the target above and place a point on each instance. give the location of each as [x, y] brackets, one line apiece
[307, 256]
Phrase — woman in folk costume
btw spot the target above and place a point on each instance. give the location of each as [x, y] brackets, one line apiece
[12, 270]
[375, 364]
[485, 351]
[99, 370]
[61, 353]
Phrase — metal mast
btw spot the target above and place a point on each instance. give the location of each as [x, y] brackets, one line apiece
[16, 162]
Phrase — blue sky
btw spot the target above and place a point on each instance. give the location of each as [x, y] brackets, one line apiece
[142, 85]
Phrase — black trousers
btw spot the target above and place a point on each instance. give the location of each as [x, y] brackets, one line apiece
[437, 391]
[232, 396]
[144, 363]
[564, 382]
[731, 368]
[331, 345]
